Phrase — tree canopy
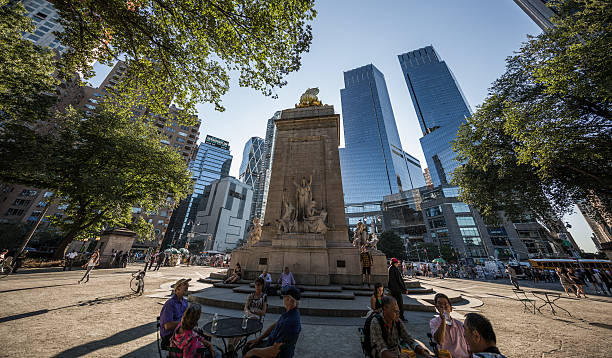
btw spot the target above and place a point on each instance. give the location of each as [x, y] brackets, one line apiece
[100, 167]
[184, 51]
[27, 82]
[542, 139]
[391, 245]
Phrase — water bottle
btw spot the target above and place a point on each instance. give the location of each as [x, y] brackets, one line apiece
[245, 320]
[213, 326]
[448, 319]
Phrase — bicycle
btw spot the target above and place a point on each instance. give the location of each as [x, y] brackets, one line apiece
[137, 282]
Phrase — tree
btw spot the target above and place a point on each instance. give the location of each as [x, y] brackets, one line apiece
[542, 138]
[391, 245]
[100, 166]
[427, 251]
[27, 84]
[184, 51]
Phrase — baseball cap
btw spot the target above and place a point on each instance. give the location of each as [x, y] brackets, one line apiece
[394, 260]
[291, 291]
[180, 282]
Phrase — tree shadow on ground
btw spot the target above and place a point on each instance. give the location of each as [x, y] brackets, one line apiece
[33, 288]
[95, 301]
[116, 339]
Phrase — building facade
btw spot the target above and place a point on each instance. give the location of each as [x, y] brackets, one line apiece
[373, 162]
[436, 215]
[212, 162]
[252, 172]
[224, 213]
[538, 11]
[46, 22]
[269, 144]
[440, 106]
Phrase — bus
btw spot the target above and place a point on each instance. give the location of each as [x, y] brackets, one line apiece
[551, 264]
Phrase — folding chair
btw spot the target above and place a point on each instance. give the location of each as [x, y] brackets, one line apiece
[521, 296]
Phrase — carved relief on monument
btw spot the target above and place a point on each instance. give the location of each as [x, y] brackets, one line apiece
[255, 232]
[304, 217]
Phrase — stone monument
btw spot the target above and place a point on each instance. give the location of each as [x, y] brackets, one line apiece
[305, 226]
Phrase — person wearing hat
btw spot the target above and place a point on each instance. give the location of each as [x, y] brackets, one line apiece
[396, 285]
[280, 338]
[172, 311]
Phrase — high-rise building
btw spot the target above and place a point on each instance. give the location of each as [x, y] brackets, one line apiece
[224, 213]
[440, 106]
[212, 162]
[436, 215]
[252, 172]
[373, 162]
[427, 176]
[269, 144]
[538, 11]
[46, 19]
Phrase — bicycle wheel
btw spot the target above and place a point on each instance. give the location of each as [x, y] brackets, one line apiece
[134, 285]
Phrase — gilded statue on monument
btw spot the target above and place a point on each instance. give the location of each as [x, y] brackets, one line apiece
[255, 232]
[309, 98]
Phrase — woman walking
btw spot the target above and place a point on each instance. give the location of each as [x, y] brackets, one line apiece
[564, 279]
[578, 282]
[93, 262]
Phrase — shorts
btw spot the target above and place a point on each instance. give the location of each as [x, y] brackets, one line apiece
[365, 270]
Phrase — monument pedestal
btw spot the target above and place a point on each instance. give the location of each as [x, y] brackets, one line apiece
[305, 226]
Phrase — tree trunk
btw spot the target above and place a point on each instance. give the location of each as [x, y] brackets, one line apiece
[61, 248]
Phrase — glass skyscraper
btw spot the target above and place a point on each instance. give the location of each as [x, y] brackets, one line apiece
[211, 162]
[251, 172]
[440, 106]
[373, 163]
[46, 20]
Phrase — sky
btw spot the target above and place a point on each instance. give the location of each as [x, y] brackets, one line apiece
[473, 37]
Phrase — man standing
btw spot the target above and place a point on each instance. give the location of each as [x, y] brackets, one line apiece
[366, 265]
[172, 311]
[512, 274]
[282, 335]
[480, 336]
[152, 260]
[396, 285]
[286, 278]
[93, 262]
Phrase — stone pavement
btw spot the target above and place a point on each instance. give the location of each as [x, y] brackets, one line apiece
[44, 313]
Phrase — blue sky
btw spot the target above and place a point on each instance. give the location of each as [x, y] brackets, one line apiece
[473, 36]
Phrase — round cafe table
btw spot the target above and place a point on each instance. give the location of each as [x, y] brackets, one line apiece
[228, 328]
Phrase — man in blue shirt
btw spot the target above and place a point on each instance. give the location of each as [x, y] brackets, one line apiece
[172, 311]
[282, 335]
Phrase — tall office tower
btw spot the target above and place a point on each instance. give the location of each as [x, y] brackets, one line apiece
[538, 11]
[251, 172]
[45, 18]
[269, 143]
[373, 163]
[211, 162]
[224, 213]
[440, 106]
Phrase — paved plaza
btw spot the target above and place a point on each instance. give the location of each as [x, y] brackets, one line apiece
[45, 313]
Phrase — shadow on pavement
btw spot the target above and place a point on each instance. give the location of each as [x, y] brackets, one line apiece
[33, 288]
[150, 350]
[95, 301]
[22, 315]
[116, 339]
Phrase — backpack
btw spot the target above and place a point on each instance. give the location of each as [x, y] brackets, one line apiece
[366, 344]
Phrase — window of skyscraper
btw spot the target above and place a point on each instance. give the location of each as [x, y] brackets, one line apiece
[465, 221]
[451, 192]
[461, 208]
[469, 231]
